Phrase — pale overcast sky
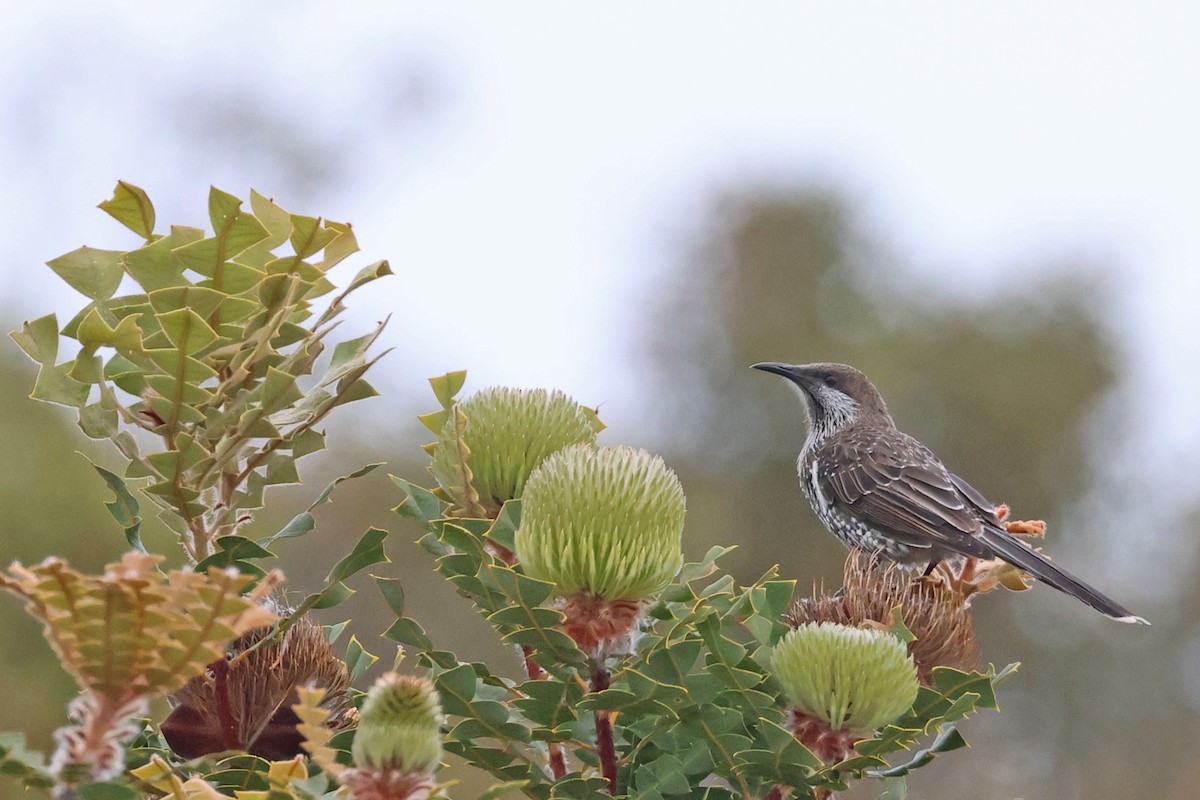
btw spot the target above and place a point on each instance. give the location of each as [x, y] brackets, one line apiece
[536, 157]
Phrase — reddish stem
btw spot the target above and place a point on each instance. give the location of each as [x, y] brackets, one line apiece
[229, 731]
[605, 748]
[558, 762]
[776, 793]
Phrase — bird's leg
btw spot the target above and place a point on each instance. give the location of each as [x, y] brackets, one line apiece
[933, 564]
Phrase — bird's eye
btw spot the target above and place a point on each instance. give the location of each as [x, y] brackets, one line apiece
[831, 380]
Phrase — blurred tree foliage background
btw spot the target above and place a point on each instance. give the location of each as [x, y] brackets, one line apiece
[1009, 388]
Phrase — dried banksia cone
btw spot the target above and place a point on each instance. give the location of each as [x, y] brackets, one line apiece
[937, 616]
[605, 526]
[245, 701]
[398, 744]
[842, 683]
[490, 443]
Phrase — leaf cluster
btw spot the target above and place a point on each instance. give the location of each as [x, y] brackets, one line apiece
[696, 711]
[203, 358]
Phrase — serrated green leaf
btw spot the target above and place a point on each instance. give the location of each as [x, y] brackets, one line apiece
[307, 441]
[418, 503]
[98, 422]
[203, 301]
[445, 387]
[27, 766]
[39, 339]
[549, 702]
[235, 229]
[393, 593]
[94, 332]
[504, 530]
[124, 508]
[170, 361]
[105, 791]
[895, 789]
[304, 522]
[947, 740]
[187, 330]
[89, 271]
[408, 631]
[233, 549]
[278, 390]
[54, 384]
[457, 689]
[705, 566]
[155, 265]
[341, 248]
[308, 237]
[357, 659]
[332, 595]
[131, 207]
[504, 789]
[368, 551]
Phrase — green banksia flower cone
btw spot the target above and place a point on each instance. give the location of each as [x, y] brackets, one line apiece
[400, 726]
[603, 520]
[508, 433]
[855, 679]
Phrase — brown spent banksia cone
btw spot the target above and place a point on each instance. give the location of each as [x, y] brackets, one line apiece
[245, 700]
[937, 615]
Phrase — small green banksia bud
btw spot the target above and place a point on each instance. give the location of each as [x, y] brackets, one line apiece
[508, 433]
[400, 726]
[854, 679]
[607, 521]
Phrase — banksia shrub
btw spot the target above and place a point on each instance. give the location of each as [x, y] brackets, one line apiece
[398, 744]
[491, 442]
[605, 526]
[842, 683]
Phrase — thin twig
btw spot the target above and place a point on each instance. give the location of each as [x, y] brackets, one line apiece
[605, 749]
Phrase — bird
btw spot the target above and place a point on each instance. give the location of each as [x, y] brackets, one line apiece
[884, 492]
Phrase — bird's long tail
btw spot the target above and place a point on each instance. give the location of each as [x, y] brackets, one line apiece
[1021, 555]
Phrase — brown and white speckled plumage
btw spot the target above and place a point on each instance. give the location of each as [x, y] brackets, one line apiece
[880, 490]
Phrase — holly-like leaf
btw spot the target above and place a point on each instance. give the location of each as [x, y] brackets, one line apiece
[89, 271]
[418, 503]
[124, 509]
[131, 207]
[357, 659]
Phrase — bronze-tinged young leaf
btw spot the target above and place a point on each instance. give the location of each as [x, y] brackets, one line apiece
[132, 631]
[315, 730]
[131, 207]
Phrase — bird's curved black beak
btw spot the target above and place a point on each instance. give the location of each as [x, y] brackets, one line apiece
[796, 373]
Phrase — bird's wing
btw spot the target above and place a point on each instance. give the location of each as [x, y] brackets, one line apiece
[896, 485]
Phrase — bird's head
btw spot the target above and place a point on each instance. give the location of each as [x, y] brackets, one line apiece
[834, 395]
